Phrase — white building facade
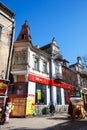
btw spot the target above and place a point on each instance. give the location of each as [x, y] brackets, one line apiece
[37, 73]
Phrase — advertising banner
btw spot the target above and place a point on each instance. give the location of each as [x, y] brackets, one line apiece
[30, 107]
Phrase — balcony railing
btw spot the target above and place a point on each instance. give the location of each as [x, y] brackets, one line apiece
[19, 67]
[58, 76]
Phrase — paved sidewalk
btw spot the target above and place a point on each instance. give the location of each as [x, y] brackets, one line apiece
[45, 122]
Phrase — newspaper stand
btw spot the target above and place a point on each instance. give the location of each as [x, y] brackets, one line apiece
[3, 96]
[76, 108]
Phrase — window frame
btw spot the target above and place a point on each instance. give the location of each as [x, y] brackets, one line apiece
[36, 63]
[45, 66]
[43, 89]
[58, 94]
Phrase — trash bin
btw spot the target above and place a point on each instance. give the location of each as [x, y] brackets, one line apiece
[45, 110]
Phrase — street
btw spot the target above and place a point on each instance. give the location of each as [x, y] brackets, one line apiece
[59, 121]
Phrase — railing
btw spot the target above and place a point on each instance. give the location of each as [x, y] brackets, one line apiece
[57, 76]
[19, 67]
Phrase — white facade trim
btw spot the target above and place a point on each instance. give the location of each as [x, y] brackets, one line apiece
[62, 95]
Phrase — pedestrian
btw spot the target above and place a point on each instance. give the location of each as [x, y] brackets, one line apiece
[70, 109]
[8, 111]
[52, 109]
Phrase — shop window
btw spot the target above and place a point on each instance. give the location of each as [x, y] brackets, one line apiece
[58, 95]
[66, 96]
[41, 94]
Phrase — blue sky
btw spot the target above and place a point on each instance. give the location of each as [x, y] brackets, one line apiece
[66, 20]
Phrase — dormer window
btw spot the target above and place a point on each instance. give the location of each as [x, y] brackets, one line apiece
[22, 36]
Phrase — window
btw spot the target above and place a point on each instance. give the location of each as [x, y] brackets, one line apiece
[58, 70]
[18, 89]
[36, 64]
[22, 36]
[41, 94]
[20, 57]
[56, 67]
[58, 95]
[45, 67]
[66, 96]
[0, 32]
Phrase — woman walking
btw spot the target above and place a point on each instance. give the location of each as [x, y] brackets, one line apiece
[8, 111]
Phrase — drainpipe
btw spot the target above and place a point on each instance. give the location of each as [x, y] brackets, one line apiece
[51, 62]
[10, 54]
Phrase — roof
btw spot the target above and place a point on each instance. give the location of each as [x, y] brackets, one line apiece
[46, 46]
[6, 10]
[49, 45]
[24, 34]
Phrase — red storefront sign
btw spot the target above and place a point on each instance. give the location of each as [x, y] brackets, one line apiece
[38, 79]
[61, 85]
[42, 80]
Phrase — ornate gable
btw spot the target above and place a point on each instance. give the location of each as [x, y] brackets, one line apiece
[24, 34]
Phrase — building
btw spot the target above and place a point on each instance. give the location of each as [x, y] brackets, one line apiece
[36, 76]
[78, 68]
[81, 79]
[60, 89]
[6, 40]
[69, 75]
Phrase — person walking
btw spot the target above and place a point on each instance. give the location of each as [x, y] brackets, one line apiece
[8, 111]
[52, 109]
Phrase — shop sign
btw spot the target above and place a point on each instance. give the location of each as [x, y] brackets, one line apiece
[51, 82]
[38, 79]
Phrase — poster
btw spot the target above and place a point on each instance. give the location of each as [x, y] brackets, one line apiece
[30, 106]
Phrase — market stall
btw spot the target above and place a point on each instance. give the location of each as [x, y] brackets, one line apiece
[76, 108]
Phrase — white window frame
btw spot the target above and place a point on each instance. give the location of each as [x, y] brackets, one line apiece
[44, 66]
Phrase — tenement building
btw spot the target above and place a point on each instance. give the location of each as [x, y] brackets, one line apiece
[36, 76]
[81, 79]
[6, 40]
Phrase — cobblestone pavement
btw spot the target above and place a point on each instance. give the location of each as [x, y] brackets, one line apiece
[59, 121]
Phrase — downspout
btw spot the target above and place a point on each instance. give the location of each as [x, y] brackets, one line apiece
[10, 54]
[51, 96]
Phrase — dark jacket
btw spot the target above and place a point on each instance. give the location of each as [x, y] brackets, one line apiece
[52, 108]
